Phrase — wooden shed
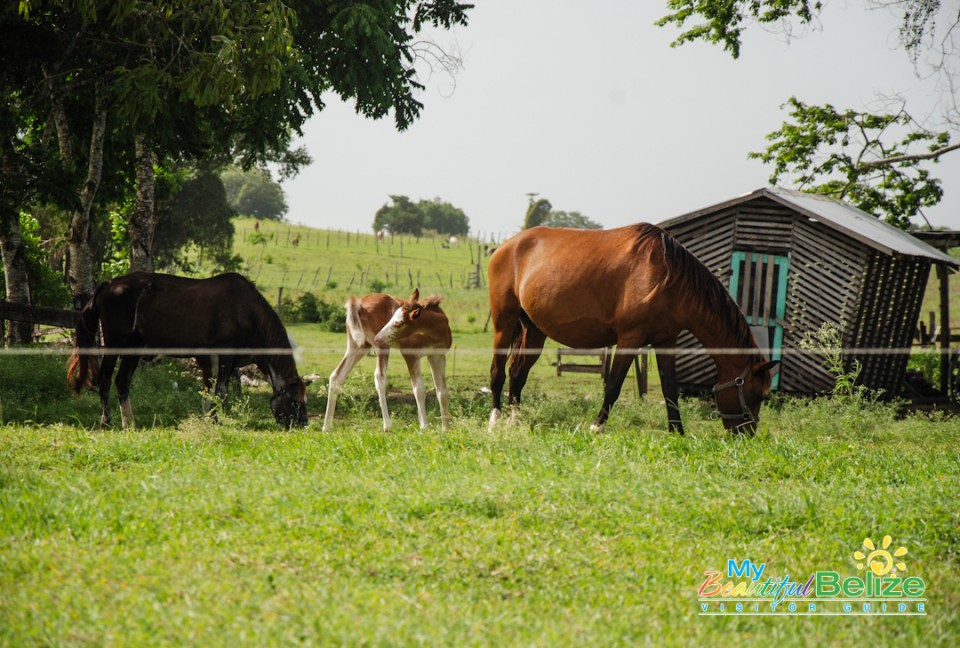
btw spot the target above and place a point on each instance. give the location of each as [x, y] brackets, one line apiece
[793, 261]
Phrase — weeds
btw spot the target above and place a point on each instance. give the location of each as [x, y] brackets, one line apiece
[827, 342]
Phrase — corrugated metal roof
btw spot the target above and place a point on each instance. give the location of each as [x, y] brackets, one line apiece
[839, 216]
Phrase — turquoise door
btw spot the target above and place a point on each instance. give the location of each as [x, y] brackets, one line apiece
[759, 286]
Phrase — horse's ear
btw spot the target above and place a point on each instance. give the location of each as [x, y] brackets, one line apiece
[415, 296]
[772, 366]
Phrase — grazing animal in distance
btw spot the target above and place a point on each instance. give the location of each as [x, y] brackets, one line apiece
[416, 328]
[223, 320]
[631, 286]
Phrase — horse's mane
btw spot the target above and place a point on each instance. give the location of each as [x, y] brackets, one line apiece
[686, 270]
[274, 332]
[433, 301]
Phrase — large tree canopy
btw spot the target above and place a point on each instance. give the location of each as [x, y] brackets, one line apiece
[254, 193]
[541, 212]
[407, 217]
[106, 90]
[877, 160]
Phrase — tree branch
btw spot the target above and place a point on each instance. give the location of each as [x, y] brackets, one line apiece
[914, 157]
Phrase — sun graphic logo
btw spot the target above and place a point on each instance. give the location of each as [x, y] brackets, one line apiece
[880, 561]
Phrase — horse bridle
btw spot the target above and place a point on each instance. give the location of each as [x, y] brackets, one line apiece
[745, 416]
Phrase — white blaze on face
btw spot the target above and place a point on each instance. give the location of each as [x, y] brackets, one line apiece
[390, 330]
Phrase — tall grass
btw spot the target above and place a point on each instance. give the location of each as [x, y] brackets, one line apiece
[187, 532]
[536, 533]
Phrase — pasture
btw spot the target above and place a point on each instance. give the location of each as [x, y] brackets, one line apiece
[185, 531]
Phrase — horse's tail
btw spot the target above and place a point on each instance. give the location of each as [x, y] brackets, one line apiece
[354, 325]
[518, 344]
[83, 366]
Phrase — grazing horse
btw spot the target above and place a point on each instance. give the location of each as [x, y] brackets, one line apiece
[417, 328]
[190, 318]
[630, 286]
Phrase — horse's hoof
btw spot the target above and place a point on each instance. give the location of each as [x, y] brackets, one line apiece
[494, 417]
[596, 428]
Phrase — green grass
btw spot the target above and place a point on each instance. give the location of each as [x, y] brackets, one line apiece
[186, 532]
[538, 533]
[335, 264]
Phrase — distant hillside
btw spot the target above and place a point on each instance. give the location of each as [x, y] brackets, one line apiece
[333, 264]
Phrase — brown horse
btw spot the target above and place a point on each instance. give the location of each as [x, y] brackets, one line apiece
[417, 328]
[191, 318]
[630, 286]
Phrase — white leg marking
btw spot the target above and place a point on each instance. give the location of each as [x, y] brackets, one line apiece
[126, 414]
[438, 367]
[419, 391]
[337, 378]
[380, 381]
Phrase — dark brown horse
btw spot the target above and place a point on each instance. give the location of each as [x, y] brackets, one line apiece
[187, 317]
[630, 286]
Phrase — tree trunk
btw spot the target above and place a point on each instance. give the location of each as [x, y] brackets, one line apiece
[15, 274]
[143, 221]
[80, 273]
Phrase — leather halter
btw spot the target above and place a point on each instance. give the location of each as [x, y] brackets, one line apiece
[745, 415]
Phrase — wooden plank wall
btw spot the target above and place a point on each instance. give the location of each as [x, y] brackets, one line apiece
[875, 298]
[893, 294]
[825, 285]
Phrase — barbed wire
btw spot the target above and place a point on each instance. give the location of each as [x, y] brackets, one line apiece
[301, 351]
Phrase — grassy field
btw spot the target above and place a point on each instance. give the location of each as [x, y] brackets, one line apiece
[538, 533]
[188, 532]
[335, 264]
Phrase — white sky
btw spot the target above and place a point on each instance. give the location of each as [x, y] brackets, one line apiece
[586, 104]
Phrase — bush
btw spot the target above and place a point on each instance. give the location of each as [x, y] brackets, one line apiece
[307, 308]
[333, 317]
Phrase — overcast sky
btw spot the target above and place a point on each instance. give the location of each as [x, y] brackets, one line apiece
[586, 104]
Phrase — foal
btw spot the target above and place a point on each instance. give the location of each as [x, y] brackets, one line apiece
[417, 328]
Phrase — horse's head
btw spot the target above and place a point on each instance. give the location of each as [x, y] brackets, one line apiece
[289, 404]
[738, 400]
[405, 320]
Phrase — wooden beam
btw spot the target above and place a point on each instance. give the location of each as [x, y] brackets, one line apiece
[943, 275]
[38, 314]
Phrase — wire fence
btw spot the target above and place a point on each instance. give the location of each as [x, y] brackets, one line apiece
[64, 349]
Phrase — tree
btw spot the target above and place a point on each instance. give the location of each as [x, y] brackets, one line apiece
[536, 212]
[125, 86]
[540, 212]
[570, 219]
[254, 193]
[875, 160]
[406, 217]
[848, 154]
[402, 217]
[196, 213]
[443, 218]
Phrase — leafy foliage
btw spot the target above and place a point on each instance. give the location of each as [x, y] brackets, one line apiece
[46, 284]
[827, 341]
[536, 213]
[196, 213]
[406, 217]
[307, 308]
[874, 160]
[725, 19]
[211, 82]
[570, 219]
[254, 193]
[849, 154]
[541, 212]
